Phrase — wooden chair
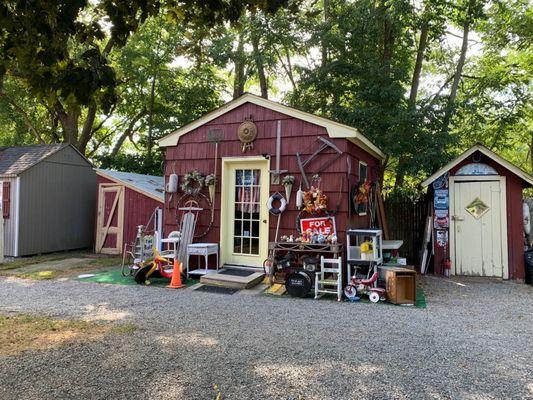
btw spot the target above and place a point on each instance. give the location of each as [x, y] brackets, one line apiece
[331, 285]
[184, 236]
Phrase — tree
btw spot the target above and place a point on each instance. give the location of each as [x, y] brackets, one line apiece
[63, 59]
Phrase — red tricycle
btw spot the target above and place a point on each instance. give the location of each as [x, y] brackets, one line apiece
[364, 286]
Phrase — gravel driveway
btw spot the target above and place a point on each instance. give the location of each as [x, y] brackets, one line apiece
[474, 341]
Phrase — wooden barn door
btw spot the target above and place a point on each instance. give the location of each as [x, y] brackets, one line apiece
[479, 228]
[110, 220]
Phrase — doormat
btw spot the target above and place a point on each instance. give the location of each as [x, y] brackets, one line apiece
[216, 289]
[237, 272]
[115, 277]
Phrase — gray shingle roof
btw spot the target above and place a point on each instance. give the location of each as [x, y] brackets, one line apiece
[152, 185]
[15, 160]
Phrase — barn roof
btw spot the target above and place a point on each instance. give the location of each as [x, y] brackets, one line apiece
[334, 129]
[492, 155]
[17, 159]
[149, 185]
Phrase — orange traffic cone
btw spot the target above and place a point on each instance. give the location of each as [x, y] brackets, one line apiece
[175, 282]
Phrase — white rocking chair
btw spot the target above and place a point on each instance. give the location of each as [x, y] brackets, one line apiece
[330, 285]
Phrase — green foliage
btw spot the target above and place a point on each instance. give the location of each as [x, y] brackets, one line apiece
[128, 162]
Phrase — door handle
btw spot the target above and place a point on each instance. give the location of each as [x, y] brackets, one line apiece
[458, 218]
[264, 221]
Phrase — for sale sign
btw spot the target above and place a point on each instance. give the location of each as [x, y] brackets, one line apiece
[323, 225]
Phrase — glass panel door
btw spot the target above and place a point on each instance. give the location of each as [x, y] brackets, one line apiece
[247, 211]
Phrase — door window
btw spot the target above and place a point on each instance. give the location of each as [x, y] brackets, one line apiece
[247, 211]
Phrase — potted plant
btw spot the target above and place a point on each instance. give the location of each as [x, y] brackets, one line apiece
[211, 181]
[288, 181]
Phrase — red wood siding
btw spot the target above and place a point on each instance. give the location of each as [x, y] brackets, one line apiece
[515, 226]
[6, 199]
[194, 151]
[138, 209]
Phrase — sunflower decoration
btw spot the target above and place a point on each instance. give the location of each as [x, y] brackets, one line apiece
[314, 201]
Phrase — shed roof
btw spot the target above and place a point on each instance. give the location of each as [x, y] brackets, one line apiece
[489, 153]
[334, 129]
[149, 185]
[17, 159]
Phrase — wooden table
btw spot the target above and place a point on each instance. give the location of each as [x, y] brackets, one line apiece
[300, 248]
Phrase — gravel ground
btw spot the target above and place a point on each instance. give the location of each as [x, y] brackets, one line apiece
[474, 341]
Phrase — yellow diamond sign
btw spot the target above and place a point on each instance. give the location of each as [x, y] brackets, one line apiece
[477, 208]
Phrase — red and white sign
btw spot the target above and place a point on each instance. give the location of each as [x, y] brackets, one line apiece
[323, 225]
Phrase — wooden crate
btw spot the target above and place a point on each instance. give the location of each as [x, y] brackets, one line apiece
[401, 285]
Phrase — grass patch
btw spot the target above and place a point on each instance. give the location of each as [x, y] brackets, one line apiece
[21, 333]
[25, 261]
[53, 266]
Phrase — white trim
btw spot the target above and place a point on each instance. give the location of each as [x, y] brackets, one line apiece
[478, 147]
[334, 129]
[17, 220]
[503, 217]
[130, 186]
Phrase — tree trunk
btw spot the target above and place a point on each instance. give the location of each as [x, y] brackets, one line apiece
[87, 130]
[69, 123]
[388, 40]
[450, 106]
[240, 78]
[258, 58]
[324, 45]
[150, 143]
[418, 65]
[127, 132]
[400, 174]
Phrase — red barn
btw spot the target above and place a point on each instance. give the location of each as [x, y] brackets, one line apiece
[478, 222]
[248, 163]
[125, 200]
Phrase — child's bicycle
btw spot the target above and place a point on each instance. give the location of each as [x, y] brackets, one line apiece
[357, 287]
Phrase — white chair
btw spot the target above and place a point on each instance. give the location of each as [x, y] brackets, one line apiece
[331, 285]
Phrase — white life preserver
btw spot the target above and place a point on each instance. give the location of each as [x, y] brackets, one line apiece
[282, 206]
[526, 216]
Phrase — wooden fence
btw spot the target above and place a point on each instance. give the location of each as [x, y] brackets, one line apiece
[406, 219]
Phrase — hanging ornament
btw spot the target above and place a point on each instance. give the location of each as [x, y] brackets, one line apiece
[247, 132]
[299, 198]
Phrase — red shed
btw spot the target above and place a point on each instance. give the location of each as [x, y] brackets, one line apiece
[125, 200]
[246, 166]
[478, 221]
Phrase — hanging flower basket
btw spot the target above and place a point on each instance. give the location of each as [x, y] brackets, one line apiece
[211, 181]
[288, 181]
[193, 182]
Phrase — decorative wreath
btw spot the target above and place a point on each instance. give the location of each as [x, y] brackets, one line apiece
[282, 202]
[193, 182]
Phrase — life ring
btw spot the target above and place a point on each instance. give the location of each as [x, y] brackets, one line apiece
[282, 206]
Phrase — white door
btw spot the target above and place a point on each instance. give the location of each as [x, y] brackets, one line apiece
[244, 222]
[479, 231]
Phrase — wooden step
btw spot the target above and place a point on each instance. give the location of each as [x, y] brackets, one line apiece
[233, 281]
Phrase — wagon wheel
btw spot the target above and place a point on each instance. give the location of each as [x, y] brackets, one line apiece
[203, 208]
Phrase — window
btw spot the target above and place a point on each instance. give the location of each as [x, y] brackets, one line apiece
[363, 171]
